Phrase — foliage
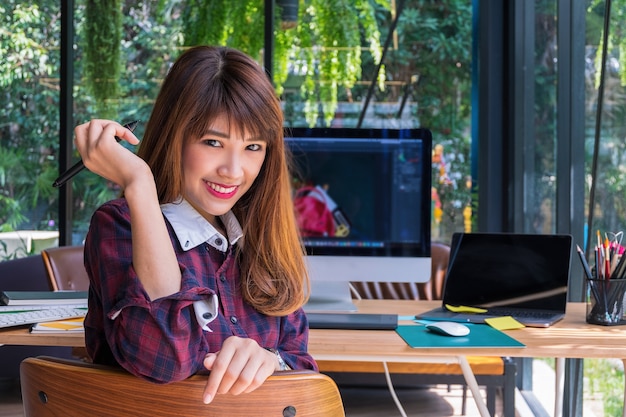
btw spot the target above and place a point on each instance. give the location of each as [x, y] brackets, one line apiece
[102, 42]
[610, 209]
[616, 34]
[330, 50]
[220, 22]
[541, 191]
[7, 254]
[441, 33]
[433, 61]
[603, 382]
[606, 379]
[452, 187]
[201, 22]
[150, 43]
[29, 102]
[29, 42]
[325, 47]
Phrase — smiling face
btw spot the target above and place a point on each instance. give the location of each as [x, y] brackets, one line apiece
[219, 167]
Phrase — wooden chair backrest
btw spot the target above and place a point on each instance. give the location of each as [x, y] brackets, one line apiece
[65, 268]
[55, 387]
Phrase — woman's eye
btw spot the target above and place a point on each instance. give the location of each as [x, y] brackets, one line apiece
[212, 142]
[255, 147]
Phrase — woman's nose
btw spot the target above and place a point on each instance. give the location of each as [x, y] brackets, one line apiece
[231, 166]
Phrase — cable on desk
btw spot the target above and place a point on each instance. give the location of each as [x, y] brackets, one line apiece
[392, 391]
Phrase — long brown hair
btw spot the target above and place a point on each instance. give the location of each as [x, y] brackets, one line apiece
[206, 82]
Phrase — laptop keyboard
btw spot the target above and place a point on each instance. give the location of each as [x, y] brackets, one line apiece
[529, 314]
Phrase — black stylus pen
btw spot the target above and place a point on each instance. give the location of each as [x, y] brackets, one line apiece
[79, 166]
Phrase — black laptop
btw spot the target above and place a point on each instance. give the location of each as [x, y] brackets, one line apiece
[520, 275]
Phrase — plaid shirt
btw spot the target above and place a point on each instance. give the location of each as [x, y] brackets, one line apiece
[161, 340]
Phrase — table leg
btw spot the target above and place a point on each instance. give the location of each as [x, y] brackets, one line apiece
[559, 375]
[470, 378]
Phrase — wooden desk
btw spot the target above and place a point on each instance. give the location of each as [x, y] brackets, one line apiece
[570, 338]
[21, 336]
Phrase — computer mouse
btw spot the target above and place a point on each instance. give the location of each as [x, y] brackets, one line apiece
[448, 328]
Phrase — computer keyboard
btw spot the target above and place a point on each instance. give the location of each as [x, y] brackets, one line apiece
[11, 316]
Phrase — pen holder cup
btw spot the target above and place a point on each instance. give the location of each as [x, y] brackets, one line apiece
[605, 301]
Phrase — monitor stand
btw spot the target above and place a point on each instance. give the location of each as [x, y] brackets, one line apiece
[330, 297]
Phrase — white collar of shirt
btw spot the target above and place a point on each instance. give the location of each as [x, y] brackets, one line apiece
[192, 229]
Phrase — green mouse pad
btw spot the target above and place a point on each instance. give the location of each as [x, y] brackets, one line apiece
[481, 335]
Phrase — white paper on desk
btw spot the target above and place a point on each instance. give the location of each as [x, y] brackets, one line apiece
[69, 325]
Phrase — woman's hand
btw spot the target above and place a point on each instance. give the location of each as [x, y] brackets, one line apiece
[101, 154]
[241, 366]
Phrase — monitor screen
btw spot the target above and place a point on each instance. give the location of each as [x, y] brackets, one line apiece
[363, 202]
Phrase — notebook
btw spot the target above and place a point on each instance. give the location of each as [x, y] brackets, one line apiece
[525, 276]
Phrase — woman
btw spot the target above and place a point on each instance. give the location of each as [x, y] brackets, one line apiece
[199, 266]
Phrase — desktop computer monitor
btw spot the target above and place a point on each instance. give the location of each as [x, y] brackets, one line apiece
[363, 204]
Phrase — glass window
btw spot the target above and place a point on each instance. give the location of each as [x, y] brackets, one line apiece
[326, 69]
[609, 208]
[540, 163]
[29, 120]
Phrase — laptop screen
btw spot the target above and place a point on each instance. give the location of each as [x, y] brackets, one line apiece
[508, 270]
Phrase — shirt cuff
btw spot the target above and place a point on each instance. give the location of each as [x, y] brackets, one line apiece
[206, 311]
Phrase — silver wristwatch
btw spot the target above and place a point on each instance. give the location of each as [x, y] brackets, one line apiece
[281, 363]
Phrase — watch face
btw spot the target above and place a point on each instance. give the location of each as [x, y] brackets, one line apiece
[281, 363]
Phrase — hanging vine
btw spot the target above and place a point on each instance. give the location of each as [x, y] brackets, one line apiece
[330, 50]
[102, 43]
[204, 22]
[325, 47]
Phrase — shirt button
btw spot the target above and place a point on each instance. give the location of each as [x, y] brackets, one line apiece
[207, 316]
[219, 241]
[233, 319]
[223, 278]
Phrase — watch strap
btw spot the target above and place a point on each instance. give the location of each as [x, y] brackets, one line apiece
[281, 362]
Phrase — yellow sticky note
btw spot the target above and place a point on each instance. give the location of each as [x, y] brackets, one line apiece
[504, 323]
[465, 309]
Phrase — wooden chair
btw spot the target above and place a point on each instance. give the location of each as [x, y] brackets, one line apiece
[65, 268]
[55, 387]
[492, 372]
[66, 271]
